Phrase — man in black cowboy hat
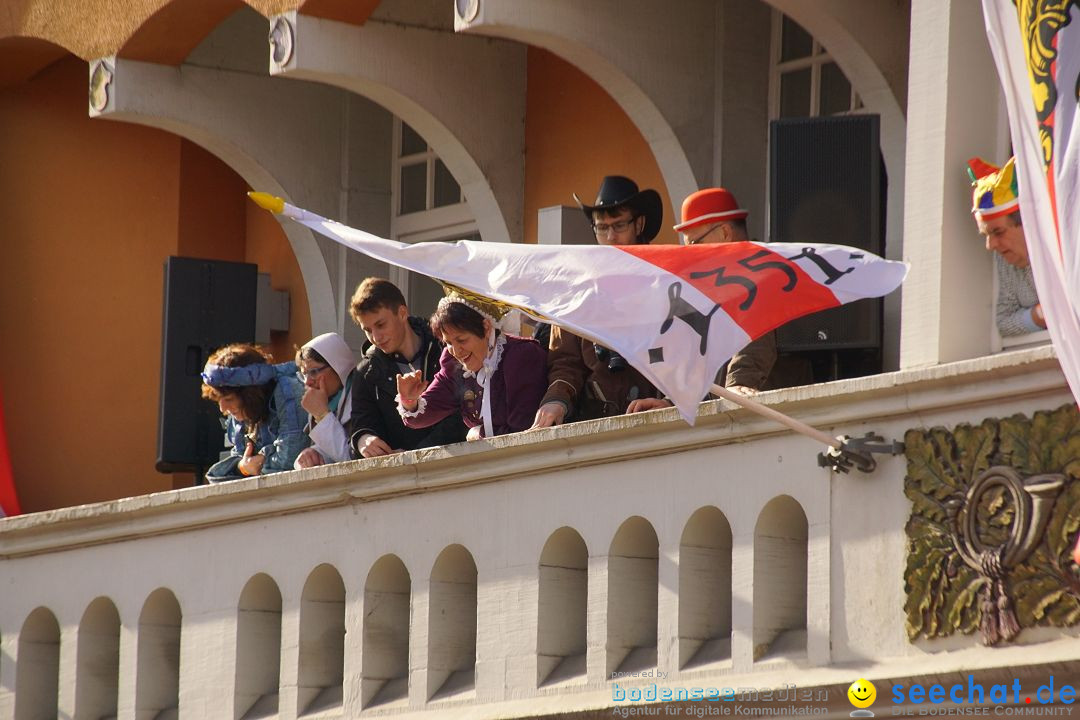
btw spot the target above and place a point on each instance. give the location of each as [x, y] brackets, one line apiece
[586, 380]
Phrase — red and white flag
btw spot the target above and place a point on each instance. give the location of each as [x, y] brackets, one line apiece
[1036, 46]
[676, 313]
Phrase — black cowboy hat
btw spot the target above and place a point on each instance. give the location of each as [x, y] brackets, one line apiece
[618, 191]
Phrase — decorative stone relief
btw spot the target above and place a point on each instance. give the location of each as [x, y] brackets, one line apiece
[282, 41]
[995, 516]
[101, 77]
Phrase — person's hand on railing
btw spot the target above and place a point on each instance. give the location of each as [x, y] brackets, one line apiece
[549, 414]
[370, 446]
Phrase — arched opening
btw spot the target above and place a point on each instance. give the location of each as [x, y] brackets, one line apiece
[385, 654]
[452, 624]
[322, 642]
[97, 662]
[37, 667]
[633, 574]
[780, 580]
[705, 589]
[258, 649]
[157, 679]
[562, 608]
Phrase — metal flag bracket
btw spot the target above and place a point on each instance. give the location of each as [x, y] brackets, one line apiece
[858, 453]
[844, 453]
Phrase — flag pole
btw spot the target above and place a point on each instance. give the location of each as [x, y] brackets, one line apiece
[755, 406]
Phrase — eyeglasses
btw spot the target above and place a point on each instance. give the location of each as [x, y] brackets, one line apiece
[618, 227]
[311, 373]
[701, 237]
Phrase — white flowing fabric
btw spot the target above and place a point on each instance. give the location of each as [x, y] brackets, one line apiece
[1049, 193]
[677, 324]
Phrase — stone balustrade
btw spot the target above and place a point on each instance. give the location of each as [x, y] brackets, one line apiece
[540, 573]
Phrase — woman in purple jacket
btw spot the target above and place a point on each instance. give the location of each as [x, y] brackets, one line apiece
[495, 380]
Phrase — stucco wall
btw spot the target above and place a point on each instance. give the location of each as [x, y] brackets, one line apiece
[575, 134]
[91, 210]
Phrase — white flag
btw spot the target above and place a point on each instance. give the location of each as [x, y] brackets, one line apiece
[676, 313]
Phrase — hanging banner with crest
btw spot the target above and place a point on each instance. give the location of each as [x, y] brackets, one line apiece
[1036, 46]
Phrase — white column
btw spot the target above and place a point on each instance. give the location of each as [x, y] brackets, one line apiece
[953, 99]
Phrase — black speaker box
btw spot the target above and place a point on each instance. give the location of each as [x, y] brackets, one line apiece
[208, 304]
[826, 185]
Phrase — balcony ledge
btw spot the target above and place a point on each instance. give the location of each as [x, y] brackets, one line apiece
[828, 406]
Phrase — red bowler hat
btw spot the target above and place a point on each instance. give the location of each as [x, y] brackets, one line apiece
[709, 206]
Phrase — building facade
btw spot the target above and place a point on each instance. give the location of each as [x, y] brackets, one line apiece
[572, 571]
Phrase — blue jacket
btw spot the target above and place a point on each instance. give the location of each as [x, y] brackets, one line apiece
[279, 438]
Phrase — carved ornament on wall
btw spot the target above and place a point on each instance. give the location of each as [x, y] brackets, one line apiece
[995, 516]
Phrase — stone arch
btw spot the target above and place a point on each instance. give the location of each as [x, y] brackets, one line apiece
[157, 680]
[780, 579]
[705, 588]
[562, 607]
[37, 668]
[320, 677]
[452, 619]
[633, 597]
[258, 648]
[546, 28]
[422, 88]
[97, 661]
[385, 652]
[175, 112]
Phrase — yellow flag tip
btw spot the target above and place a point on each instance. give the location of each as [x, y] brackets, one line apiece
[268, 202]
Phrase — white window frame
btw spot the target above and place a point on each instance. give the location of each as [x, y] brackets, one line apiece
[449, 222]
[818, 57]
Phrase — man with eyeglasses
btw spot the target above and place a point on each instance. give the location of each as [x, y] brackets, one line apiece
[586, 380]
[995, 205]
[712, 216]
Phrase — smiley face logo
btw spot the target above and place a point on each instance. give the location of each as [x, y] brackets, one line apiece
[862, 693]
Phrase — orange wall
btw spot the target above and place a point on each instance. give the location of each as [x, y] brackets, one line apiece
[91, 209]
[575, 134]
[268, 247]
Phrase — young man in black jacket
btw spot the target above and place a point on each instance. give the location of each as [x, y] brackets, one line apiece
[399, 344]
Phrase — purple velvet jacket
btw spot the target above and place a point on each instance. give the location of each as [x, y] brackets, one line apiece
[517, 387]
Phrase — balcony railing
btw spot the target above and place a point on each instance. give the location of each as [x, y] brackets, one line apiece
[539, 573]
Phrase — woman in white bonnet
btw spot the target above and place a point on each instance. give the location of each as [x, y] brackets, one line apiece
[326, 367]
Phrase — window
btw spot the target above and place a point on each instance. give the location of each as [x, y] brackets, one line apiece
[429, 205]
[805, 82]
[422, 181]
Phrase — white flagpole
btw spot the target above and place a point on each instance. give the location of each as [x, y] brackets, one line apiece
[755, 406]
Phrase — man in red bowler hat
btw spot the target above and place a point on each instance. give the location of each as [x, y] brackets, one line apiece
[712, 215]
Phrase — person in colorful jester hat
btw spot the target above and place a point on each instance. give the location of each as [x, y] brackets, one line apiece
[996, 208]
[494, 380]
[262, 403]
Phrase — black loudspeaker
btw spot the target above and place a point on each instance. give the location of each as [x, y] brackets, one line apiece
[826, 185]
[208, 304]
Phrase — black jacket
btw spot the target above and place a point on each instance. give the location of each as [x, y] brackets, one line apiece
[374, 409]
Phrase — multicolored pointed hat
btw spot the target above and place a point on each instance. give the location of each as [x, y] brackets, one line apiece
[995, 191]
